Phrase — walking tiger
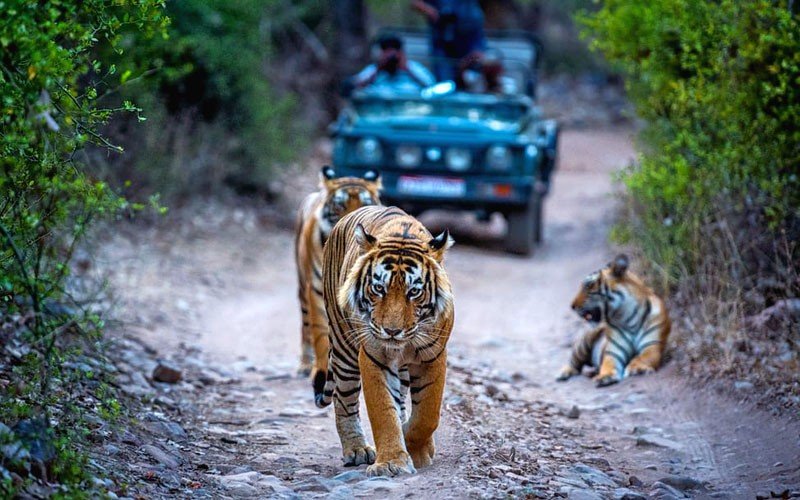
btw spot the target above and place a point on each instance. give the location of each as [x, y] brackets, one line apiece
[390, 309]
[318, 214]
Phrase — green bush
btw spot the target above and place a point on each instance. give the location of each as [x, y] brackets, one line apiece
[50, 86]
[212, 116]
[717, 189]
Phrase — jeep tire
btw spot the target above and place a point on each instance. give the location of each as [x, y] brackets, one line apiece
[524, 227]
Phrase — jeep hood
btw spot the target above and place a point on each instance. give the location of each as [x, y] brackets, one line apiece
[450, 125]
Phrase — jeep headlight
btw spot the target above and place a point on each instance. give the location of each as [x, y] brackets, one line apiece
[499, 158]
[369, 150]
[408, 155]
[458, 159]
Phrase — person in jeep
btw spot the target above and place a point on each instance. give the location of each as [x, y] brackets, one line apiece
[393, 69]
[456, 34]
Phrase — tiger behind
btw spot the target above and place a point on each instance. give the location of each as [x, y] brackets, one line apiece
[318, 214]
[632, 325]
[390, 309]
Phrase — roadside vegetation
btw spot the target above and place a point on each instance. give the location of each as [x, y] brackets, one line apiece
[714, 201]
[53, 106]
[213, 119]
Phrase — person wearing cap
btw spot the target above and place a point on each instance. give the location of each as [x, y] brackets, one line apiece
[456, 33]
[393, 69]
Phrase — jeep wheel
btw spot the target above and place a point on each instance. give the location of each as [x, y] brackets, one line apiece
[524, 228]
[537, 235]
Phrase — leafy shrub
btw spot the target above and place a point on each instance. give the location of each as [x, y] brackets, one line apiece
[714, 202]
[212, 116]
[49, 83]
[719, 86]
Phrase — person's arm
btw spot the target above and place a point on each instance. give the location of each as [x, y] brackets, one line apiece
[425, 9]
[365, 77]
[420, 74]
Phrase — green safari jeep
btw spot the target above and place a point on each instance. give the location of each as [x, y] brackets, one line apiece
[487, 153]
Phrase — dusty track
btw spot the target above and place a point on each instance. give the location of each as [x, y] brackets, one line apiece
[219, 295]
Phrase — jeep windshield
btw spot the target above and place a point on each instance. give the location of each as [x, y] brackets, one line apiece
[493, 113]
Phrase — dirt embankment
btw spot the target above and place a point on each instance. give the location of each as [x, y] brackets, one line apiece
[216, 295]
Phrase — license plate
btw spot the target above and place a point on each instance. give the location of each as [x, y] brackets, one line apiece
[431, 186]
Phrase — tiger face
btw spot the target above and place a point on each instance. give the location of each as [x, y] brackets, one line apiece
[398, 288]
[605, 292]
[346, 194]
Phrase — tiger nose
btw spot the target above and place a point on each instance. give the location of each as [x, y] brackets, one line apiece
[393, 332]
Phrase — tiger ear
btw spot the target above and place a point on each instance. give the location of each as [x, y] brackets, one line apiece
[374, 177]
[326, 175]
[365, 240]
[441, 243]
[619, 266]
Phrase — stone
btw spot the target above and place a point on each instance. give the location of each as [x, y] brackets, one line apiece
[167, 372]
[36, 438]
[294, 413]
[249, 477]
[167, 429]
[343, 492]
[350, 475]
[241, 469]
[242, 490]
[574, 412]
[657, 441]
[576, 494]
[273, 485]
[599, 461]
[592, 476]
[682, 483]
[454, 400]
[161, 456]
[663, 491]
[627, 494]
[318, 483]
[14, 452]
[110, 449]
[375, 486]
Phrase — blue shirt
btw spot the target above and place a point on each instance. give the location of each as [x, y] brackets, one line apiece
[413, 79]
[459, 29]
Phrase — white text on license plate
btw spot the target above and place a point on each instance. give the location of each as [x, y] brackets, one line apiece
[431, 186]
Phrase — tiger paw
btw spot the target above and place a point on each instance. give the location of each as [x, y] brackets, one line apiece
[566, 372]
[422, 455]
[304, 370]
[358, 454]
[603, 380]
[400, 465]
[638, 369]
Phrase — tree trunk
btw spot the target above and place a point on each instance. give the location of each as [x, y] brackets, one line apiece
[350, 36]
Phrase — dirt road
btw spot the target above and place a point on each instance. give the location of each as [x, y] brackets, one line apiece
[217, 295]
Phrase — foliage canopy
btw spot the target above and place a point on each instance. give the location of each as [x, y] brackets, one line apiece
[52, 86]
[718, 84]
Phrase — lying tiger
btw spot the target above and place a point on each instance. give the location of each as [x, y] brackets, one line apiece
[632, 325]
[318, 214]
[390, 309]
